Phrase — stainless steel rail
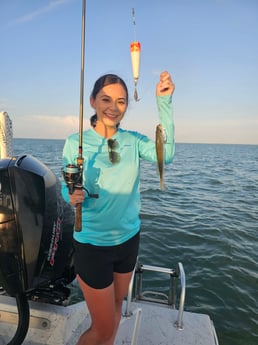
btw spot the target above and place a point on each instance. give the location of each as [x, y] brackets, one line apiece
[179, 322]
[135, 288]
[128, 311]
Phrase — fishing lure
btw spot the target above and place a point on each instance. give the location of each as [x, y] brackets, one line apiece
[135, 49]
[135, 58]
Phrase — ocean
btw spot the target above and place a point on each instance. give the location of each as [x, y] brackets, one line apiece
[207, 219]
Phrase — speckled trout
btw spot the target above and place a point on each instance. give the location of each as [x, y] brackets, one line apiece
[160, 154]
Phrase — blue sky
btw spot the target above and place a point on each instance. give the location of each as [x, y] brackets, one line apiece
[209, 46]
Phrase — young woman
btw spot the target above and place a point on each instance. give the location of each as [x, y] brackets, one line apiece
[107, 246]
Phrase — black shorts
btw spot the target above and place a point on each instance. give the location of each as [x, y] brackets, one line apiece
[96, 264]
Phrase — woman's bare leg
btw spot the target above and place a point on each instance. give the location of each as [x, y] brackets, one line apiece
[121, 284]
[105, 307]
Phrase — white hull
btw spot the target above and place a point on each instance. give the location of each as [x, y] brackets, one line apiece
[150, 324]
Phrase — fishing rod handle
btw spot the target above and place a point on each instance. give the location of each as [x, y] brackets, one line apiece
[78, 217]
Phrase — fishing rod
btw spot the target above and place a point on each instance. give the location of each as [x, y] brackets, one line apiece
[73, 173]
[80, 159]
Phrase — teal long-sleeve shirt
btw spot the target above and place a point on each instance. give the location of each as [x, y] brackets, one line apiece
[113, 217]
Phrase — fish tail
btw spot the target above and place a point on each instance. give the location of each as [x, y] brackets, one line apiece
[162, 185]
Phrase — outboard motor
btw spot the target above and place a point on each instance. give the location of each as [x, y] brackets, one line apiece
[36, 230]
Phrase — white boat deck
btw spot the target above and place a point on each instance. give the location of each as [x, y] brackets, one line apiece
[150, 324]
[157, 327]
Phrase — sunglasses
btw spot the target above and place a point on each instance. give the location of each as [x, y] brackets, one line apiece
[114, 156]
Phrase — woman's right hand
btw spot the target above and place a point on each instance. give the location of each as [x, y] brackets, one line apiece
[77, 197]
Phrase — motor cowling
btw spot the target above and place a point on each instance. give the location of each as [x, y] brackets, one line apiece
[36, 226]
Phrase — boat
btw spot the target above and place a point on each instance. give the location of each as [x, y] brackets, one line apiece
[6, 135]
[149, 318]
[37, 276]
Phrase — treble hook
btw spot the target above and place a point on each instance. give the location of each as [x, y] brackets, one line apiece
[136, 98]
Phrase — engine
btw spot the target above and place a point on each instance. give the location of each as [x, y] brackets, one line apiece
[36, 228]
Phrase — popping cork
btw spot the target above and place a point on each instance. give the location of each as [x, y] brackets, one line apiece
[135, 49]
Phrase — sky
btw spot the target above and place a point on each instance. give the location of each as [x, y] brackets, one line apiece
[210, 47]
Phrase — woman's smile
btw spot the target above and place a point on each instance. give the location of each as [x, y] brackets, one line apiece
[110, 105]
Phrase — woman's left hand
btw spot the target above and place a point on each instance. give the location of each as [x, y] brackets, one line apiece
[165, 86]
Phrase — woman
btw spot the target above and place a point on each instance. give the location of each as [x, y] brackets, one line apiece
[107, 247]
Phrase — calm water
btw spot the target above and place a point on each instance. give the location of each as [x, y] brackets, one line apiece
[208, 220]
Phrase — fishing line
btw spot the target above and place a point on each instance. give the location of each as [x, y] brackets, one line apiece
[134, 23]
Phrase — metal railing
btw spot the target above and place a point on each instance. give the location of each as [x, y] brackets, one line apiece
[136, 292]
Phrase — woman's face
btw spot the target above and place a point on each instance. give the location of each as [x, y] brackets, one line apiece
[110, 104]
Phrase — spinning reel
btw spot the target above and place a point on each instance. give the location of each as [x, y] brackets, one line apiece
[73, 178]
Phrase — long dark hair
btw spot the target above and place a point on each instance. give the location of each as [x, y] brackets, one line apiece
[105, 80]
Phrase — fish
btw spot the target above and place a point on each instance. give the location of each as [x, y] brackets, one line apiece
[160, 154]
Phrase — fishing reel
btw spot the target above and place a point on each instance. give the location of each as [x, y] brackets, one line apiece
[73, 177]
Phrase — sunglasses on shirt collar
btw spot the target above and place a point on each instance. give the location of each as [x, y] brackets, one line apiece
[114, 156]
